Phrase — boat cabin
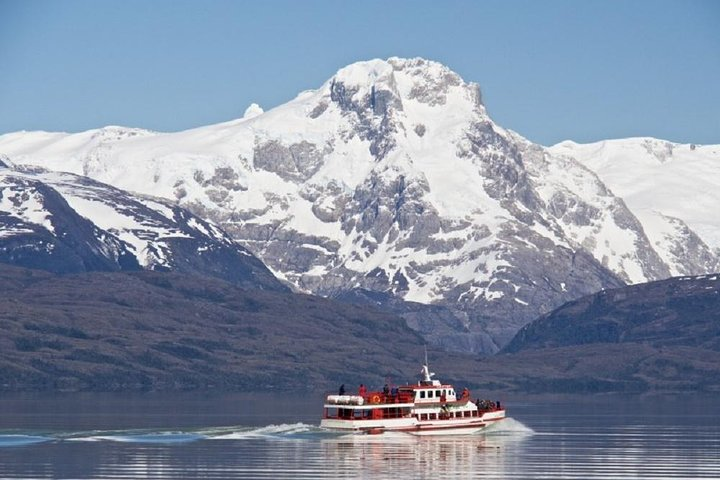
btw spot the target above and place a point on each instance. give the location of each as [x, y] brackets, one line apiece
[429, 393]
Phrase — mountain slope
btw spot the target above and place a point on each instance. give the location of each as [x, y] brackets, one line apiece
[167, 331]
[673, 189]
[109, 331]
[678, 311]
[64, 223]
[389, 178]
[662, 336]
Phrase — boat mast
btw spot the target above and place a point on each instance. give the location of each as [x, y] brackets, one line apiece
[427, 376]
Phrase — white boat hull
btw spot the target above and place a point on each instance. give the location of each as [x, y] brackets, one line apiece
[414, 426]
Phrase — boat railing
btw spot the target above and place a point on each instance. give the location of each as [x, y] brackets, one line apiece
[371, 398]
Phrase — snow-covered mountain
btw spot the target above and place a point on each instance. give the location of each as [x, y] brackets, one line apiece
[66, 223]
[673, 189]
[391, 178]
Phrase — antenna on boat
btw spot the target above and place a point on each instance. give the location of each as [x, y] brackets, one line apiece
[427, 376]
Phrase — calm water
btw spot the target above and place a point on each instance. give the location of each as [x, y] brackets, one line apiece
[263, 436]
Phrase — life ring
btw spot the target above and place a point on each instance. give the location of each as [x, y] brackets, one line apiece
[375, 398]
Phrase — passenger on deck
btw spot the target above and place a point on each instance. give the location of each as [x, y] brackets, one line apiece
[362, 391]
[342, 390]
[386, 390]
[466, 393]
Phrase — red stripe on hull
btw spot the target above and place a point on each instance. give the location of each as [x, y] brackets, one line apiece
[425, 428]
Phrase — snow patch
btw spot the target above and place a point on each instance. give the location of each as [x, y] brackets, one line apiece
[253, 111]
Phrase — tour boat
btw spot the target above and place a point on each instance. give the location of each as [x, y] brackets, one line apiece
[428, 408]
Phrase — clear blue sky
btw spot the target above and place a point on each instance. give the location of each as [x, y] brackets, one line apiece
[583, 70]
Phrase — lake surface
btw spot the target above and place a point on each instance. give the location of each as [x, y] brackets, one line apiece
[82, 436]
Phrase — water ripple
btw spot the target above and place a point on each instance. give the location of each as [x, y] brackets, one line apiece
[583, 449]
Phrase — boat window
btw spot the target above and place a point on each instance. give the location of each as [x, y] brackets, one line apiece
[422, 394]
[437, 393]
[433, 416]
[430, 394]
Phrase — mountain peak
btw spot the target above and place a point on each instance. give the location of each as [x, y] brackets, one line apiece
[418, 79]
[379, 69]
[364, 73]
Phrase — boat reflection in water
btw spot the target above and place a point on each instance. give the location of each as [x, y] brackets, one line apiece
[455, 456]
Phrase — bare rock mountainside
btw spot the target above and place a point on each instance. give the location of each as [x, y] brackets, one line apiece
[65, 223]
[391, 185]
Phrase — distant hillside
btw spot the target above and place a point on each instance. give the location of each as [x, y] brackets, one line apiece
[107, 331]
[682, 311]
[656, 336]
[165, 331]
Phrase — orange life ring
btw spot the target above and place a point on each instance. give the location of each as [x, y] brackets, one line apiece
[375, 398]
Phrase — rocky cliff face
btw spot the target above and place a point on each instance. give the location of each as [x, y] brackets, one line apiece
[66, 223]
[390, 178]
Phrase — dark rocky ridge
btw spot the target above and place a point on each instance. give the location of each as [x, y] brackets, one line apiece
[658, 336]
[682, 311]
[75, 245]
